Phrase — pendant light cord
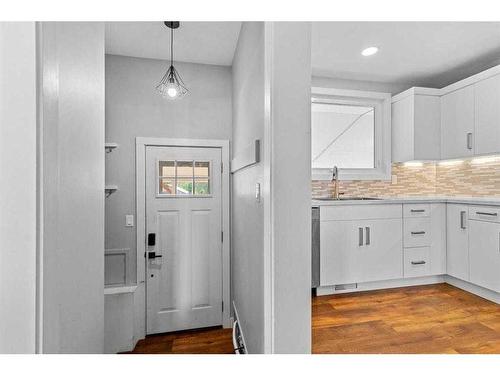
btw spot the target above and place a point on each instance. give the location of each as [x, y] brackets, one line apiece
[171, 46]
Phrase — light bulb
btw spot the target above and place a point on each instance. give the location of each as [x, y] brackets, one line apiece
[369, 51]
[172, 92]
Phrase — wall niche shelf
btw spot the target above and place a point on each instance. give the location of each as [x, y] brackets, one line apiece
[110, 189]
[110, 146]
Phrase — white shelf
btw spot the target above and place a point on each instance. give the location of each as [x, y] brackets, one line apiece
[110, 189]
[119, 289]
[110, 146]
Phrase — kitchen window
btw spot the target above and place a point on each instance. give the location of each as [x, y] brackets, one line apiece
[351, 130]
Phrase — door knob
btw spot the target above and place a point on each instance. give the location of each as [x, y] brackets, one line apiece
[152, 255]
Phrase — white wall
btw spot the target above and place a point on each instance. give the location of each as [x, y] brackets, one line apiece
[134, 109]
[17, 187]
[271, 252]
[72, 130]
[290, 185]
[247, 256]
[349, 84]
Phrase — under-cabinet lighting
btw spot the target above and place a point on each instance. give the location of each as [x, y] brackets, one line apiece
[413, 164]
[485, 159]
[450, 162]
[369, 51]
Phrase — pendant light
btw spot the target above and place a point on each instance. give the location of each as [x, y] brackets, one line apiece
[171, 85]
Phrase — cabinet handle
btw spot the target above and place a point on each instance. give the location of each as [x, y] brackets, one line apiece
[487, 213]
[418, 262]
[417, 210]
[367, 235]
[469, 141]
[419, 232]
[360, 236]
[462, 220]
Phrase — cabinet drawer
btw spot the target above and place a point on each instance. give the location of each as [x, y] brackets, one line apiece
[416, 262]
[416, 210]
[361, 212]
[417, 232]
[484, 213]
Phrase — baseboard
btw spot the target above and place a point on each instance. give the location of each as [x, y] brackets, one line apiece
[386, 284]
[474, 289]
[236, 316]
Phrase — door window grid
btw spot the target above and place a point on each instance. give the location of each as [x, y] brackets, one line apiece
[183, 178]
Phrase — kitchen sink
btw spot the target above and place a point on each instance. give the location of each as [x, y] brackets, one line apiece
[347, 199]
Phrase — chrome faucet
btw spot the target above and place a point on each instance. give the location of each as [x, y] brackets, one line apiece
[335, 181]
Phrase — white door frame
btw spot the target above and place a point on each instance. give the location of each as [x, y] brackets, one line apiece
[140, 163]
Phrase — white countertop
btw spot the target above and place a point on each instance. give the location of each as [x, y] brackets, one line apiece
[487, 201]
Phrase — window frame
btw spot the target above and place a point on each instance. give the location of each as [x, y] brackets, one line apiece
[193, 179]
[382, 137]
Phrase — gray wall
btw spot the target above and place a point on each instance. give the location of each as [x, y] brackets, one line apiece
[134, 109]
[17, 187]
[72, 166]
[248, 214]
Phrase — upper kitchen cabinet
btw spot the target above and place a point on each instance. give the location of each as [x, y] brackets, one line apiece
[457, 123]
[416, 125]
[487, 101]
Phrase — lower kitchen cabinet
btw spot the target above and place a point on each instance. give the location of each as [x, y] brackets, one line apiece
[354, 251]
[417, 261]
[457, 241]
[484, 254]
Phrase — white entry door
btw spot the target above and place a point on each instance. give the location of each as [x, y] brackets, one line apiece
[184, 238]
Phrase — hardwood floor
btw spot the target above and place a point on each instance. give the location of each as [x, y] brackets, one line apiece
[201, 341]
[424, 319]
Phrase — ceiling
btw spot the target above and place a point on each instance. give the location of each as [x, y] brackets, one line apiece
[195, 42]
[419, 53]
[431, 54]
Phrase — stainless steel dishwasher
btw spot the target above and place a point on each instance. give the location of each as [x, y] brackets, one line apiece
[315, 247]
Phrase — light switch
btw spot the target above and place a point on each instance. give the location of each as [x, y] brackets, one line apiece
[257, 192]
[394, 179]
[129, 220]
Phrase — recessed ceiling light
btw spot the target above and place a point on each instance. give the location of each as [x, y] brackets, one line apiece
[369, 51]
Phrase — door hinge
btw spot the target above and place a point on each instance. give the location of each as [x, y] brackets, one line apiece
[221, 236]
[221, 167]
[222, 305]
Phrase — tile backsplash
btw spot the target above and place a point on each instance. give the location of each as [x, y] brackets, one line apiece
[478, 177]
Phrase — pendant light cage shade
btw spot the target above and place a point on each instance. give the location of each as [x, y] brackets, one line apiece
[171, 85]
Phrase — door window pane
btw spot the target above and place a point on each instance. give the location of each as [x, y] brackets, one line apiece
[184, 169]
[184, 186]
[167, 168]
[184, 178]
[167, 186]
[201, 169]
[201, 186]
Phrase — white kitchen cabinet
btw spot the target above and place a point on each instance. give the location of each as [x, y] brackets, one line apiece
[487, 118]
[355, 251]
[437, 254]
[457, 241]
[424, 236]
[484, 254]
[457, 123]
[416, 126]
[417, 262]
